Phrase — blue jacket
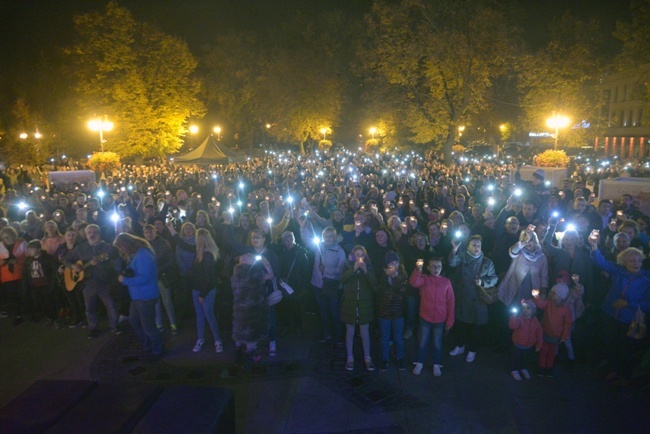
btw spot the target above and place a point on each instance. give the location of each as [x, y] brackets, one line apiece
[144, 283]
[636, 287]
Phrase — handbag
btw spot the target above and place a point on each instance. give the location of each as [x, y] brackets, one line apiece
[637, 328]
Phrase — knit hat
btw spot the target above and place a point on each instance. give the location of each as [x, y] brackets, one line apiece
[561, 290]
[390, 257]
[539, 173]
[563, 277]
[530, 304]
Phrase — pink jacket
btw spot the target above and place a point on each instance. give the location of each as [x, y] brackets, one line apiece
[526, 332]
[437, 302]
[556, 321]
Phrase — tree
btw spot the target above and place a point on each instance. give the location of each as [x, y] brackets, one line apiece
[234, 71]
[137, 75]
[305, 85]
[440, 56]
[30, 148]
[563, 78]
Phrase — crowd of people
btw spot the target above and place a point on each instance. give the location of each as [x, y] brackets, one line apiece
[394, 245]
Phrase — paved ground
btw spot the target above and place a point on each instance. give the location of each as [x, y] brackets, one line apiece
[305, 389]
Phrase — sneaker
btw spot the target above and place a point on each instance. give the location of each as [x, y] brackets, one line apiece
[92, 334]
[122, 319]
[325, 339]
[417, 368]
[218, 346]
[75, 325]
[436, 370]
[174, 329]
[541, 372]
[349, 365]
[369, 365]
[515, 375]
[383, 366]
[525, 374]
[116, 331]
[272, 348]
[470, 356]
[161, 328]
[408, 333]
[198, 345]
[457, 351]
[401, 364]
[17, 321]
[3, 314]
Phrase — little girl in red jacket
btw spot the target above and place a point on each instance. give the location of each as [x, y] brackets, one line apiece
[526, 334]
[556, 325]
[437, 310]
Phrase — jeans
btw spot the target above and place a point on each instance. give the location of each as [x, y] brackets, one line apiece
[205, 312]
[166, 299]
[330, 313]
[435, 330]
[142, 316]
[91, 294]
[398, 338]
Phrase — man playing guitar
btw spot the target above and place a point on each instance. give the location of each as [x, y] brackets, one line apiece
[101, 275]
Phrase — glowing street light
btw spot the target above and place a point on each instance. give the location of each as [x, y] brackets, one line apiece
[194, 129]
[23, 136]
[557, 121]
[37, 135]
[323, 131]
[373, 131]
[217, 130]
[101, 126]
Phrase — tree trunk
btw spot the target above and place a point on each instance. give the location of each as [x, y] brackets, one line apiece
[302, 147]
[449, 143]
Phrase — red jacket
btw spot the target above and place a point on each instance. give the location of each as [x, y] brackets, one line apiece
[527, 332]
[437, 301]
[556, 321]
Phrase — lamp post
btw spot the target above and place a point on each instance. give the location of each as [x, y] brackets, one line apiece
[217, 130]
[373, 131]
[101, 126]
[323, 131]
[193, 130]
[557, 121]
[266, 135]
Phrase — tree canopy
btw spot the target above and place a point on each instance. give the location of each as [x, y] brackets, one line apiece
[441, 57]
[138, 76]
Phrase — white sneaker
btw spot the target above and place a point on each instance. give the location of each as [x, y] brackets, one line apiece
[272, 348]
[417, 369]
[470, 356]
[525, 373]
[436, 370]
[198, 345]
[515, 375]
[218, 346]
[408, 333]
[457, 351]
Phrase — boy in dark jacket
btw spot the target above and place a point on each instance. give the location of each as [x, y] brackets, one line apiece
[39, 283]
[390, 301]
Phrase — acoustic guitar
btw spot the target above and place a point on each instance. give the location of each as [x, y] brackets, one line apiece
[72, 278]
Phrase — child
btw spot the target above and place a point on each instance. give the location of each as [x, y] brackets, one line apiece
[391, 289]
[575, 305]
[357, 304]
[39, 282]
[526, 334]
[437, 310]
[556, 325]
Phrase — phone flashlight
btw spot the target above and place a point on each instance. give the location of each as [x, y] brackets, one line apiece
[458, 234]
[258, 258]
[514, 310]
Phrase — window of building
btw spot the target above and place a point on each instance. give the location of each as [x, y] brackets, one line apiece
[630, 119]
[622, 119]
[616, 94]
[639, 119]
[624, 93]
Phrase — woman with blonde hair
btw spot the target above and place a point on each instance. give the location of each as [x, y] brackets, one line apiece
[52, 237]
[204, 288]
[141, 277]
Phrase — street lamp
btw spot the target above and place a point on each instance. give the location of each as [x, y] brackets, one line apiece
[23, 136]
[217, 130]
[373, 131]
[557, 121]
[101, 126]
[194, 129]
[323, 131]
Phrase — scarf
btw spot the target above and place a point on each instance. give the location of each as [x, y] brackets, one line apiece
[533, 256]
